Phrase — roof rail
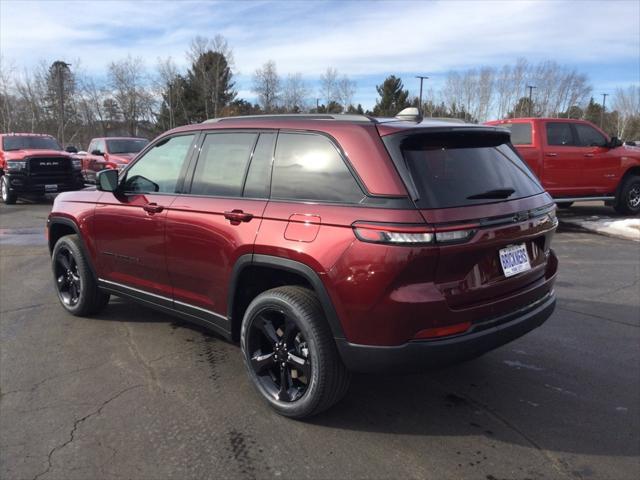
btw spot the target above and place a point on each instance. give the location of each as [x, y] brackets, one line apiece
[347, 117]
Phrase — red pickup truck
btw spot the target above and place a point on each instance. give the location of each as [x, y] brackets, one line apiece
[112, 152]
[575, 160]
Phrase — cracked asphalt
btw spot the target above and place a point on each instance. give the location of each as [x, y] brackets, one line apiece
[136, 394]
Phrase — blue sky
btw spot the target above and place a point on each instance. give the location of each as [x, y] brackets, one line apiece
[366, 40]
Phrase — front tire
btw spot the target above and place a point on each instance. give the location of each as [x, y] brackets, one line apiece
[628, 199]
[75, 284]
[290, 354]
[7, 197]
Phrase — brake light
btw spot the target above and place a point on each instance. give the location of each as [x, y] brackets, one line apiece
[406, 234]
[410, 234]
[438, 332]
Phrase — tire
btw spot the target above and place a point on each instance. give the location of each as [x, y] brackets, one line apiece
[75, 284]
[564, 205]
[7, 197]
[284, 335]
[628, 198]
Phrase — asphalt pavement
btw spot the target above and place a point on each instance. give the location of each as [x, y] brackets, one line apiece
[136, 394]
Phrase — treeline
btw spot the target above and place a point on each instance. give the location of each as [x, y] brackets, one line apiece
[135, 99]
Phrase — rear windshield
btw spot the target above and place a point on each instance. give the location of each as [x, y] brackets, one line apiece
[23, 142]
[453, 169]
[126, 146]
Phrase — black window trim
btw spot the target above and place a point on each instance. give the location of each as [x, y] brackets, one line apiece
[183, 171]
[391, 202]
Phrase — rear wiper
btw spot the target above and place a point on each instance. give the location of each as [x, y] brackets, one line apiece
[497, 193]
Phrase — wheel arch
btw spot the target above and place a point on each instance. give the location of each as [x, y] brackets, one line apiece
[631, 171]
[59, 227]
[253, 274]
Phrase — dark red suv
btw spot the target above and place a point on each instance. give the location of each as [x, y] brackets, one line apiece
[323, 244]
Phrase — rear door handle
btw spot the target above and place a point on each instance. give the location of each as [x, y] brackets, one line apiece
[551, 154]
[588, 154]
[237, 216]
[153, 208]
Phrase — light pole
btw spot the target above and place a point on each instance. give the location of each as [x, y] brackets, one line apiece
[604, 100]
[530, 87]
[422, 78]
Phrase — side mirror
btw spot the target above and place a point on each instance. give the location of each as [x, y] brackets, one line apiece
[96, 152]
[615, 142]
[71, 149]
[107, 180]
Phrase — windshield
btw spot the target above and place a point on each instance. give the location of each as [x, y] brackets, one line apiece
[24, 142]
[126, 145]
[453, 169]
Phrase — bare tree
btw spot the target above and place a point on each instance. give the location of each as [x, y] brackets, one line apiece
[127, 78]
[627, 103]
[168, 87]
[346, 89]
[266, 84]
[295, 93]
[7, 99]
[329, 86]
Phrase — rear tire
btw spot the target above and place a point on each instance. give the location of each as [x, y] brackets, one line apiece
[286, 340]
[7, 197]
[628, 198]
[77, 289]
[564, 205]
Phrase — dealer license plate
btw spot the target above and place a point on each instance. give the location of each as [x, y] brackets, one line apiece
[514, 260]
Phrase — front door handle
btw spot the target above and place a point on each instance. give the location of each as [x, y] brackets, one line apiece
[588, 154]
[551, 154]
[237, 216]
[152, 208]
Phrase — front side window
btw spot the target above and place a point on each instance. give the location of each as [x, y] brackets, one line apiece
[222, 164]
[589, 136]
[559, 134]
[100, 146]
[309, 167]
[160, 167]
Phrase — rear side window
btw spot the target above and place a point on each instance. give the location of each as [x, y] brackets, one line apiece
[222, 164]
[452, 169]
[559, 134]
[589, 136]
[520, 133]
[309, 167]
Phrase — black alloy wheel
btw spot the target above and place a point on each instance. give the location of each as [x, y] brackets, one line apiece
[279, 355]
[290, 353]
[68, 281]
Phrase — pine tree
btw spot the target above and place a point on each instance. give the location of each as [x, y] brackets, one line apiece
[393, 97]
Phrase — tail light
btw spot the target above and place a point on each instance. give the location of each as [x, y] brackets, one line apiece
[410, 234]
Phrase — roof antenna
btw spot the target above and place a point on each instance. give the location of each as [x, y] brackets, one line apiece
[411, 114]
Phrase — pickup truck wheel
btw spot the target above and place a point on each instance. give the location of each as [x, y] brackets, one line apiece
[76, 286]
[7, 197]
[628, 200]
[290, 353]
[564, 204]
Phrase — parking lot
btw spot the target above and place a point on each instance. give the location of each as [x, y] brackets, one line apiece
[136, 394]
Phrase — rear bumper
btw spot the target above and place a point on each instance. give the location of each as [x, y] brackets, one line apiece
[28, 185]
[423, 355]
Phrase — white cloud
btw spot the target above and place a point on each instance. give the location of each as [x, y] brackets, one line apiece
[360, 38]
